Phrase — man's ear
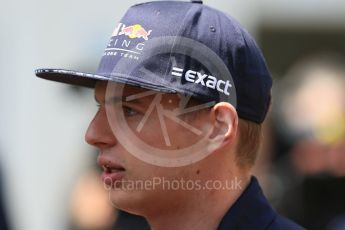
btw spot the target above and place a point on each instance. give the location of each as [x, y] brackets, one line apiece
[224, 121]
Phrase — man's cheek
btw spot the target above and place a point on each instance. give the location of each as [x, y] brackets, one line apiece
[148, 131]
[155, 132]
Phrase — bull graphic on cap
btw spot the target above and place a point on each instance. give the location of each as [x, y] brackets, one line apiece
[135, 31]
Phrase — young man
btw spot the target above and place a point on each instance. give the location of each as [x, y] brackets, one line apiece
[182, 91]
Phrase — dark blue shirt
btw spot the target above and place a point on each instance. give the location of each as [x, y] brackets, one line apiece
[253, 211]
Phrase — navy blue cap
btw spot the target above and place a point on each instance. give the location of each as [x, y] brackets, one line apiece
[183, 47]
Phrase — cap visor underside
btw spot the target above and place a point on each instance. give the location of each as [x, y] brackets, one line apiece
[89, 80]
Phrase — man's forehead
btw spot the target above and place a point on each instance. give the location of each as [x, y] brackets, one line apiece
[127, 90]
[132, 94]
[125, 93]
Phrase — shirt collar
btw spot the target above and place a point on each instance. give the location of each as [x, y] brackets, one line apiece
[250, 211]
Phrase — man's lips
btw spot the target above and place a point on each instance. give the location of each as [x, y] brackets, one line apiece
[109, 165]
[112, 171]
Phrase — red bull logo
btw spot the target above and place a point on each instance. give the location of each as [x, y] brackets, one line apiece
[135, 31]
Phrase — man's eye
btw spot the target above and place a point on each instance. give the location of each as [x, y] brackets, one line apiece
[98, 106]
[129, 111]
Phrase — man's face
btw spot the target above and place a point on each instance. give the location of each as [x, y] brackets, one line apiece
[120, 165]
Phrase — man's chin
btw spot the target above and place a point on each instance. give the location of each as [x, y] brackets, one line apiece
[128, 201]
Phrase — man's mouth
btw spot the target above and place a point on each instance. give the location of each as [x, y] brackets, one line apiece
[112, 172]
[109, 169]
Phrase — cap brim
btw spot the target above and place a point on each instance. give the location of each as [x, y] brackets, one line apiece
[89, 80]
[70, 77]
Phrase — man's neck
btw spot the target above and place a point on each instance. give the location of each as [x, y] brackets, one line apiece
[202, 210]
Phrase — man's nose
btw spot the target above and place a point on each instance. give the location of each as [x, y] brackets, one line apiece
[99, 133]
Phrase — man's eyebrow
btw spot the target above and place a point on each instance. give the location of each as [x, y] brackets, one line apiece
[132, 98]
[124, 99]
